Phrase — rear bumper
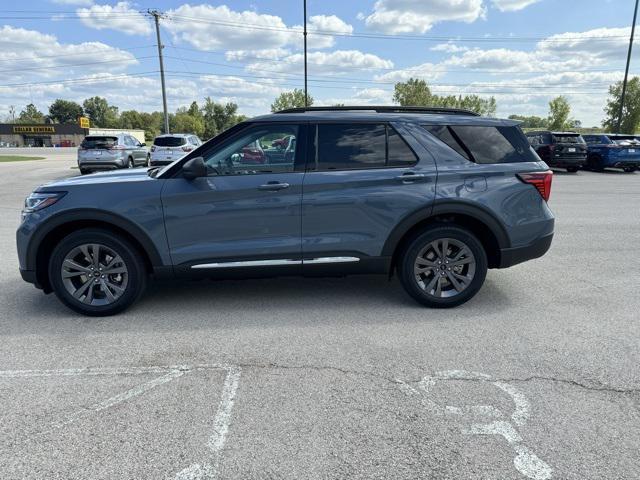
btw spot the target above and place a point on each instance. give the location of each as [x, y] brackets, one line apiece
[100, 166]
[514, 256]
[159, 163]
[564, 162]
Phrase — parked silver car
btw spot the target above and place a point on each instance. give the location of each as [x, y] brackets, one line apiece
[109, 152]
[172, 146]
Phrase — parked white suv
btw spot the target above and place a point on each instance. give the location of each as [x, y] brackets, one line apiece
[172, 146]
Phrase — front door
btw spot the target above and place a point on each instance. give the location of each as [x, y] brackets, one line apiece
[246, 212]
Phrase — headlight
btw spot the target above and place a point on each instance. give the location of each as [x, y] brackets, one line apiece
[37, 201]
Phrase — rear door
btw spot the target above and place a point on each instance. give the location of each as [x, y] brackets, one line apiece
[241, 214]
[362, 180]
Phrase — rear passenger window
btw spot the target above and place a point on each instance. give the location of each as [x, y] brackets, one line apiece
[364, 146]
[344, 147]
[484, 144]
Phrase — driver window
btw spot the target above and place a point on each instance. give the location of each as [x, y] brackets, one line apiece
[261, 149]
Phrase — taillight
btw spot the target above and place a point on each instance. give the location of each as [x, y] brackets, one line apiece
[153, 148]
[540, 180]
[187, 148]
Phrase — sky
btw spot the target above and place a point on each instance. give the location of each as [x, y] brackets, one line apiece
[523, 52]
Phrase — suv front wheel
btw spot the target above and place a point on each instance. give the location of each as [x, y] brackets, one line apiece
[443, 267]
[96, 272]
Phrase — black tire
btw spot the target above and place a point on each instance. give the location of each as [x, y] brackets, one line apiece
[84, 171]
[630, 169]
[594, 163]
[136, 274]
[410, 280]
[572, 169]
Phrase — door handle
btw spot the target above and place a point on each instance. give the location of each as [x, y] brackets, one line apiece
[410, 177]
[273, 186]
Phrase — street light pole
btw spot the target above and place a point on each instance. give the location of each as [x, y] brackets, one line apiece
[626, 72]
[306, 94]
[156, 17]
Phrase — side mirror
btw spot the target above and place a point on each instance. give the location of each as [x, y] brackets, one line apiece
[143, 145]
[194, 168]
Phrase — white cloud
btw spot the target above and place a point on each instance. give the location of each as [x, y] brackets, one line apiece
[418, 16]
[448, 47]
[207, 27]
[512, 5]
[120, 17]
[266, 54]
[324, 63]
[606, 43]
[425, 71]
[323, 24]
[210, 28]
[32, 55]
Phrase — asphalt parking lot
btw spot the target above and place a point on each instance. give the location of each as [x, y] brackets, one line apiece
[536, 377]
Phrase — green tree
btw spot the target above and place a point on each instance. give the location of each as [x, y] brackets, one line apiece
[416, 92]
[151, 123]
[291, 99]
[630, 113]
[413, 92]
[65, 111]
[183, 122]
[100, 113]
[31, 114]
[530, 121]
[218, 117]
[559, 110]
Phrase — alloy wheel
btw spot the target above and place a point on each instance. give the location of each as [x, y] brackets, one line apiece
[94, 274]
[444, 267]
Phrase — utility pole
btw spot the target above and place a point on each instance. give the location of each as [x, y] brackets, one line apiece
[156, 16]
[306, 94]
[626, 72]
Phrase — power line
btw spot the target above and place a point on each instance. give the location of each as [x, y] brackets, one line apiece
[172, 16]
[13, 70]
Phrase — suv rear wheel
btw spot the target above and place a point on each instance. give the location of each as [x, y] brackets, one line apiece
[443, 267]
[96, 273]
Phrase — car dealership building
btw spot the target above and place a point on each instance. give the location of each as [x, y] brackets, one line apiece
[54, 134]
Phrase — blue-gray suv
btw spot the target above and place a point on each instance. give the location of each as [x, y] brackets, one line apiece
[435, 196]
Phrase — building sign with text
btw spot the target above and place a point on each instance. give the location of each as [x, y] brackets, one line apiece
[33, 129]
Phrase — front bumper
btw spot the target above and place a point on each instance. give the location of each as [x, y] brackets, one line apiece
[536, 249]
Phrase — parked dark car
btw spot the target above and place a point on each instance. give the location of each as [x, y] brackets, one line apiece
[559, 149]
[612, 150]
[435, 196]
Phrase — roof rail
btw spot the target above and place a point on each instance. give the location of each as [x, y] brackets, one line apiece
[383, 109]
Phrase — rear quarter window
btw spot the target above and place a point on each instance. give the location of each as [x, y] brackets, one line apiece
[486, 144]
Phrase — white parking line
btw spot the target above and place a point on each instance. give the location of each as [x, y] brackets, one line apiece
[221, 422]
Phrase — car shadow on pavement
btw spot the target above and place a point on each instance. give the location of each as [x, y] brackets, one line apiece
[233, 304]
